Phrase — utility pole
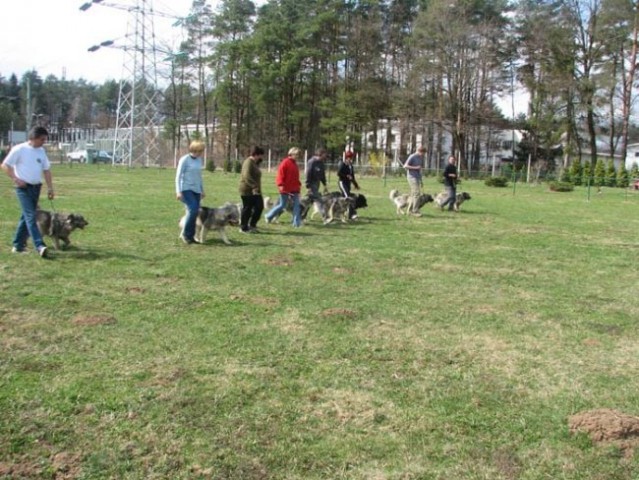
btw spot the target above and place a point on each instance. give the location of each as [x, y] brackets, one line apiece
[137, 130]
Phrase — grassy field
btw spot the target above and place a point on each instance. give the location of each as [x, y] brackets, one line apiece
[452, 346]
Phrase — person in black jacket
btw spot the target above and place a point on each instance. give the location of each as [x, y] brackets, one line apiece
[346, 176]
[316, 173]
[450, 182]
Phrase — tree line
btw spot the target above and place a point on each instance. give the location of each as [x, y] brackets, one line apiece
[341, 73]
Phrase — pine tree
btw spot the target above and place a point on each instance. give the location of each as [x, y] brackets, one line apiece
[622, 177]
[611, 174]
[575, 173]
[634, 171]
[599, 179]
[586, 174]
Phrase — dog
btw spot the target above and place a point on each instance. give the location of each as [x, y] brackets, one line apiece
[327, 200]
[59, 225]
[340, 208]
[403, 201]
[214, 219]
[459, 199]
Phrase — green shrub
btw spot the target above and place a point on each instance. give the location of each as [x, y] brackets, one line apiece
[576, 172]
[210, 165]
[228, 165]
[496, 182]
[237, 166]
[561, 187]
[622, 177]
[611, 174]
[599, 179]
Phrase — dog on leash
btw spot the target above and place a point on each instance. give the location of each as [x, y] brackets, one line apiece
[59, 225]
[340, 208]
[214, 219]
[459, 199]
[404, 202]
[358, 201]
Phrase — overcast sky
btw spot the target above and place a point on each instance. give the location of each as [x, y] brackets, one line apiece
[52, 36]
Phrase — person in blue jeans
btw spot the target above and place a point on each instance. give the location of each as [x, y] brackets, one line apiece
[25, 165]
[189, 188]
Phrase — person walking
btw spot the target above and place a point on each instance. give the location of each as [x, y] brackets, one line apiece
[288, 183]
[450, 182]
[25, 165]
[251, 191]
[189, 188]
[316, 173]
[346, 176]
[413, 166]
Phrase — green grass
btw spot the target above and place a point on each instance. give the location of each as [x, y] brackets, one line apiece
[452, 346]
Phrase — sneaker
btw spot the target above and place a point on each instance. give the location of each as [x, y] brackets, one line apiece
[267, 220]
[416, 214]
[244, 231]
[253, 230]
[18, 250]
[42, 251]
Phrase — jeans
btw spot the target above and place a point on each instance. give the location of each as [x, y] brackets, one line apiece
[252, 207]
[191, 200]
[415, 185]
[281, 205]
[452, 194]
[27, 227]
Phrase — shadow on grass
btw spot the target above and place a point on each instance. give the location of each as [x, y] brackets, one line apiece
[92, 254]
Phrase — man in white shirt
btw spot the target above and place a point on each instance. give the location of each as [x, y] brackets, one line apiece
[25, 165]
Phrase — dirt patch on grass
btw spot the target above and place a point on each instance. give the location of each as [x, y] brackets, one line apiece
[63, 466]
[607, 426]
[257, 300]
[135, 290]
[342, 271]
[339, 312]
[93, 320]
[279, 261]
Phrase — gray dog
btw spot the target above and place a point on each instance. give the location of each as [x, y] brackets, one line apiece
[59, 225]
[214, 219]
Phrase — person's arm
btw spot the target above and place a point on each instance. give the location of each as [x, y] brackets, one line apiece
[178, 179]
[49, 180]
[12, 175]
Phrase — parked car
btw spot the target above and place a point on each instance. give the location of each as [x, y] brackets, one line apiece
[90, 155]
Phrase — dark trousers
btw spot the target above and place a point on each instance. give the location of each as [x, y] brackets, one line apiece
[252, 207]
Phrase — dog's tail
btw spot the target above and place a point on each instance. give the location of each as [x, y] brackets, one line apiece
[393, 193]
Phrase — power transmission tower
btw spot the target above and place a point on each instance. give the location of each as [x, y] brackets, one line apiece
[137, 130]
[137, 126]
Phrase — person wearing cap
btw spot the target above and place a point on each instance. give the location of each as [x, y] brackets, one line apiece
[346, 176]
[413, 167]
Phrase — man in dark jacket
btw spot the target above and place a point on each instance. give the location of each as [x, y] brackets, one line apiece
[346, 176]
[450, 182]
[316, 173]
[251, 191]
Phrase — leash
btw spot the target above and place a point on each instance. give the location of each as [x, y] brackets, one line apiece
[52, 206]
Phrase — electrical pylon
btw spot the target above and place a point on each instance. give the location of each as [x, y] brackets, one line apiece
[137, 128]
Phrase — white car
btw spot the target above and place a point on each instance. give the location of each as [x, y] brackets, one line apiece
[90, 156]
